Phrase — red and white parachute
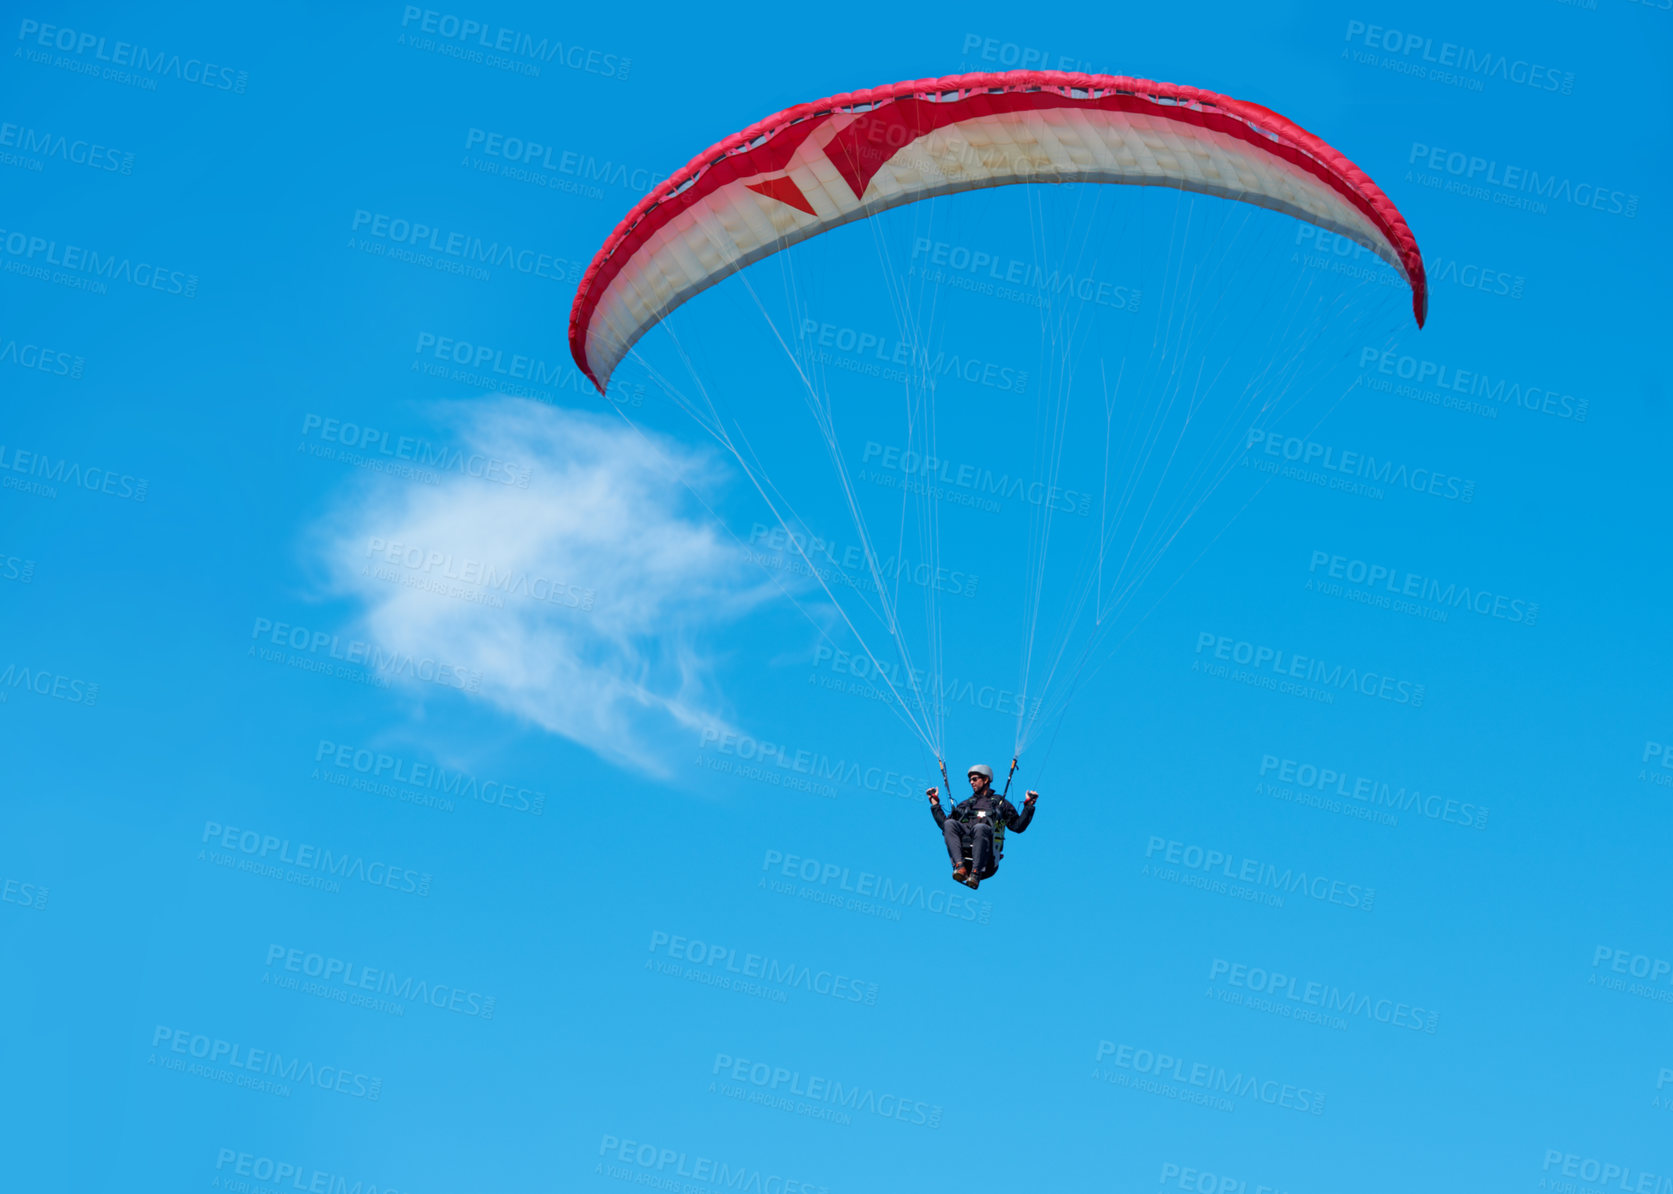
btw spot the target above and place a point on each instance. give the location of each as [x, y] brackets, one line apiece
[820, 165]
[1143, 409]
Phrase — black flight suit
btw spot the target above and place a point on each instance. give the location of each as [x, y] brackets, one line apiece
[972, 820]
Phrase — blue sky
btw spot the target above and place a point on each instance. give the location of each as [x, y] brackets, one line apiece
[638, 868]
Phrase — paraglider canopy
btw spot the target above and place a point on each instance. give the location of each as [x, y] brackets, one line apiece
[1094, 436]
[817, 166]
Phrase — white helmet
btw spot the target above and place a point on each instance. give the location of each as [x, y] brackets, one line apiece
[981, 769]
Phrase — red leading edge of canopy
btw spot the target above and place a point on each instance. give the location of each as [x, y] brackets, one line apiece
[768, 144]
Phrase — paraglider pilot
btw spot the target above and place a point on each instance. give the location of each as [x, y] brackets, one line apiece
[972, 821]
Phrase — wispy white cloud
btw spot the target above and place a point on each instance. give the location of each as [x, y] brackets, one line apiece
[589, 600]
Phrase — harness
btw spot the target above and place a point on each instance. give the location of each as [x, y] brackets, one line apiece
[999, 825]
[998, 822]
